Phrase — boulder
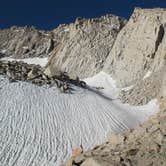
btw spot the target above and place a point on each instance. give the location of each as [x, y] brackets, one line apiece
[32, 74]
[116, 138]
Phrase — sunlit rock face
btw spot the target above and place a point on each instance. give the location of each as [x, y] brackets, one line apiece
[140, 46]
[85, 48]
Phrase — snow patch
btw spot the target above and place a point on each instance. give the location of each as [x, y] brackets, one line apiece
[46, 34]
[25, 47]
[127, 88]
[104, 82]
[147, 75]
[3, 51]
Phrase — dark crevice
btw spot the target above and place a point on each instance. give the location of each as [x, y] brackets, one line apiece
[159, 37]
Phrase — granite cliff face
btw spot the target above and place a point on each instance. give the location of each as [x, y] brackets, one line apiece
[138, 57]
[140, 47]
[86, 46]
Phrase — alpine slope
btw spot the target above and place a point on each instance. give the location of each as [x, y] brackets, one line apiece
[39, 126]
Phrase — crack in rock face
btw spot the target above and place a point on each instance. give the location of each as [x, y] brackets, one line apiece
[160, 36]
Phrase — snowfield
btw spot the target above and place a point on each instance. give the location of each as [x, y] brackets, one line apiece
[39, 126]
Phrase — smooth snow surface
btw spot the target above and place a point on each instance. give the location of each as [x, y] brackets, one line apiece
[37, 61]
[104, 82]
[39, 126]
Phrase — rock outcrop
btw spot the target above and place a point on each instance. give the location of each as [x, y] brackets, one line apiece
[84, 50]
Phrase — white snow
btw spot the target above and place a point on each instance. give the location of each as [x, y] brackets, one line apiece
[147, 75]
[37, 61]
[25, 47]
[66, 30]
[46, 34]
[41, 126]
[3, 51]
[127, 88]
[104, 82]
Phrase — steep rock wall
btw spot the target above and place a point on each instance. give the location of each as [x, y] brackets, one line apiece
[83, 51]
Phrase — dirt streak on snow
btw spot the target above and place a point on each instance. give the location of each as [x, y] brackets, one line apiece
[41, 126]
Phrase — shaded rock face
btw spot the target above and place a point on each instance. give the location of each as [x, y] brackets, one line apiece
[140, 46]
[23, 42]
[86, 46]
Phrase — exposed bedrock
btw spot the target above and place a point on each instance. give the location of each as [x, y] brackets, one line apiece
[84, 50]
[140, 46]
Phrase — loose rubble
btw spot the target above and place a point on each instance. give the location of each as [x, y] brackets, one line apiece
[20, 71]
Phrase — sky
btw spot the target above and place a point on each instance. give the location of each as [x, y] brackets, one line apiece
[48, 14]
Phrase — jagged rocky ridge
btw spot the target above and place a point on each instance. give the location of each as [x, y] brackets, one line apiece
[73, 48]
[23, 42]
[84, 50]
